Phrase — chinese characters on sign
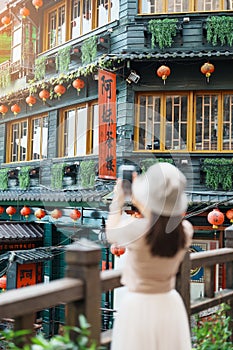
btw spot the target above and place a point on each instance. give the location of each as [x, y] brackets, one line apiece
[26, 275]
[107, 124]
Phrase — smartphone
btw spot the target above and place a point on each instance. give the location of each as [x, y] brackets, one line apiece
[126, 174]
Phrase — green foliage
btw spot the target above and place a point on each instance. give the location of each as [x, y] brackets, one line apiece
[146, 163]
[214, 334]
[218, 173]
[3, 179]
[57, 174]
[220, 30]
[87, 173]
[63, 59]
[24, 178]
[163, 31]
[89, 50]
[40, 68]
[56, 342]
[5, 77]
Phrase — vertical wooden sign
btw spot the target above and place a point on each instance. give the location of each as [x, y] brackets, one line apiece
[107, 124]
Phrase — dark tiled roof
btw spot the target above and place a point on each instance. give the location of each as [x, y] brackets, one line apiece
[210, 197]
[20, 231]
[46, 195]
[30, 255]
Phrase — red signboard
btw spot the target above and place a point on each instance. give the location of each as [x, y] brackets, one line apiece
[107, 124]
[26, 275]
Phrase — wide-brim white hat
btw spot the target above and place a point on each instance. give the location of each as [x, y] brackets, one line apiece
[161, 190]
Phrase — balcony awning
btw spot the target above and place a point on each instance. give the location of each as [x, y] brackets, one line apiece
[30, 255]
[20, 231]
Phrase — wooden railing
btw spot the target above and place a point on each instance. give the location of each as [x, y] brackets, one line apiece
[81, 289]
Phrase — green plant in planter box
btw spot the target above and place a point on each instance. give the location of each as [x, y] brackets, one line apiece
[219, 29]
[40, 68]
[146, 163]
[163, 31]
[4, 179]
[87, 173]
[57, 174]
[63, 59]
[213, 334]
[24, 177]
[218, 173]
[89, 50]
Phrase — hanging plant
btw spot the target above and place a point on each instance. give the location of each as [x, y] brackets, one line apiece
[40, 68]
[24, 177]
[5, 77]
[57, 174]
[146, 163]
[219, 29]
[3, 179]
[63, 59]
[87, 173]
[218, 173]
[89, 50]
[163, 31]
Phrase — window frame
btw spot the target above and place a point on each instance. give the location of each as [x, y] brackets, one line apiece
[29, 121]
[191, 121]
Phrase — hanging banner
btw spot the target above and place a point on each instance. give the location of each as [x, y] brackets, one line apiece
[26, 275]
[107, 124]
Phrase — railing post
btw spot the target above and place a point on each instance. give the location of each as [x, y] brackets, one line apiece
[183, 282]
[83, 260]
[228, 235]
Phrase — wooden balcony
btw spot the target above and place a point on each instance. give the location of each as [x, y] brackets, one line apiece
[81, 289]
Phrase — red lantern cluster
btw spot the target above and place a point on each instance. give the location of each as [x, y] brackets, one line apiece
[15, 109]
[30, 100]
[37, 3]
[6, 20]
[207, 69]
[3, 109]
[40, 213]
[56, 214]
[24, 12]
[2, 210]
[215, 218]
[10, 211]
[3, 282]
[78, 84]
[59, 90]
[117, 250]
[229, 215]
[44, 95]
[25, 211]
[163, 72]
[75, 214]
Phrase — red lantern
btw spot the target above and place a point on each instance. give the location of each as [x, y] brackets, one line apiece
[117, 250]
[25, 211]
[6, 20]
[44, 95]
[2, 210]
[75, 214]
[229, 215]
[10, 211]
[3, 282]
[37, 3]
[15, 109]
[40, 214]
[56, 214]
[215, 218]
[59, 90]
[163, 72]
[78, 84]
[207, 69]
[3, 109]
[24, 11]
[30, 100]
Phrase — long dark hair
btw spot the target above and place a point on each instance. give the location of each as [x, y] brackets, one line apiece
[163, 242]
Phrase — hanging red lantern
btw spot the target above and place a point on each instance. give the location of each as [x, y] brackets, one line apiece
[229, 215]
[44, 95]
[163, 72]
[37, 3]
[24, 11]
[2, 210]
[75, 214]
[30, 100]
[40, 213]
[15, 109]
[78, 84]
[6, 20]
[10, 211]
[117, 250]
[56, 214]
[3, 282]
[3, 109]
[207, 69]
[25, 211]
[215, 218]
[59, 90]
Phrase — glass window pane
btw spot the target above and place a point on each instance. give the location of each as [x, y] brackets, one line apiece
[114, 10]
[39, 139]
[228, 5]
[87, 16]
[102, 12]
[75, 19]
[81, 131]
[69, 134]
[228, 122]
[14, 142]
[207, 5]
[95, 129]
[151, 6]
[178, 5]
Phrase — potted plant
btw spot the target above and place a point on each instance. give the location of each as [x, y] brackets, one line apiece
[57, 174]
[87, 173]
[24, 177]
[219, 29]
[63, 59]
[218, 173]
[162, 31]
[89, 50]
